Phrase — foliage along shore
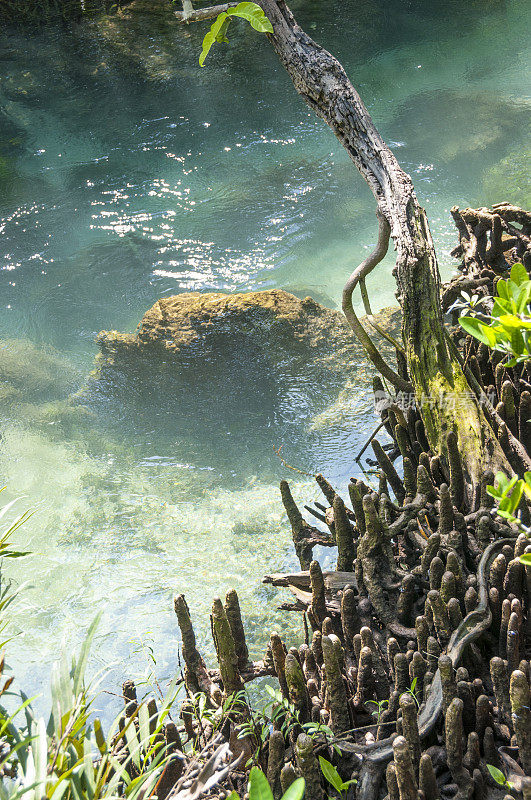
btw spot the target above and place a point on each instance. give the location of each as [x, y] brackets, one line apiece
[413, 680]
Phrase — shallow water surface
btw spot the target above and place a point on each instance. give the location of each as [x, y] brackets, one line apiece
[128, 173]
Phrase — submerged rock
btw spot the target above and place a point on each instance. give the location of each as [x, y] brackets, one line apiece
[176, 326]
[248, 341]
[33, 373]
[493, 123]
[239, 366]
[36, 382]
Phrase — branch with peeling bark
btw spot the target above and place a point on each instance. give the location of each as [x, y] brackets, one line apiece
[191, 14]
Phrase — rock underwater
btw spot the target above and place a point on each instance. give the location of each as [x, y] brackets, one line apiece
[36, 383]
[229, 345]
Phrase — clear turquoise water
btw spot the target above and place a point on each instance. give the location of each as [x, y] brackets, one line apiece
[128, 173]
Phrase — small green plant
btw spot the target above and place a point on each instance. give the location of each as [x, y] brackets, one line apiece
[68, 757]
[6, 550]
[508, 328]
[259, 788]
[317, 730]
[218, 31]
[499, 777]
[467, 302]
[281, 709]
[508, 493]
[211, 718]
[8, 595]
[381, 705]
[283, 714]
[333, 777]
[278, 711]
[144, 645]
[412, 692]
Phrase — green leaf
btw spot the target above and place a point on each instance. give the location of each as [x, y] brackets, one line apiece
[259, 788]
[513, 321]
[217, 33]
[100, 737]
[40, 757]
[254, 15]
[517, 342]
[60, 790]
[525, 559]
[233, 796]
[222, 33]
[133, 745]
[413, 684]
[274, 693]
[476, 328]
[169, 699]
[523, 297]
[516, 496]
[513, 290]
[501, 306]
[501, 288]
[519, 273]
[489, 333]
[503, 483]
[143, 724]
[497, 774]
[470, 325]
[331, 774]
[79, 672]
[295, 791]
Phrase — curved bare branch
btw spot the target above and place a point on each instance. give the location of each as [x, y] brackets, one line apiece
[359, 274]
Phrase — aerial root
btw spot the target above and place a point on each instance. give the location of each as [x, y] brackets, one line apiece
[358, 277]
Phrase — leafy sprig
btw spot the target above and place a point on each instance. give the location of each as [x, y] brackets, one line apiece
[333, 777]
[508, 328]
[218, 30]
[259, 788]
[499, 777]
[508, 493]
